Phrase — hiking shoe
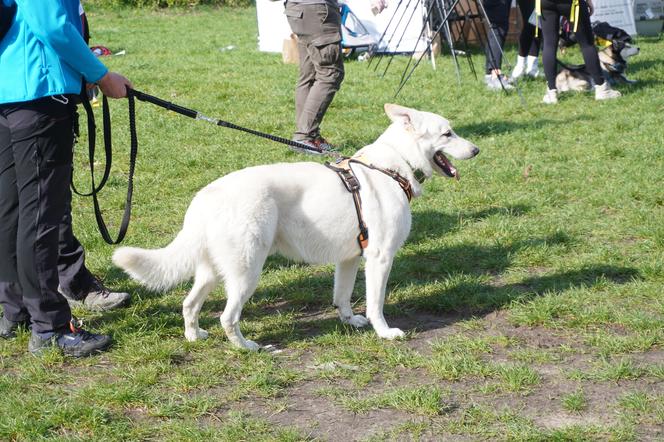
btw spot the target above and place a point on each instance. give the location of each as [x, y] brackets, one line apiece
[604, 92]
[497, 82]
[551, 96]
[8, 328]
[74, 342]
[98, 298]
[319, 144]
[323, 144]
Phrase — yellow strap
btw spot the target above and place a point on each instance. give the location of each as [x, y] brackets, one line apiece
[602, 42]
[574, 14]
[538, 14]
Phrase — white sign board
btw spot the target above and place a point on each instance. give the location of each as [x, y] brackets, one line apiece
[618, 13]
[273, 27]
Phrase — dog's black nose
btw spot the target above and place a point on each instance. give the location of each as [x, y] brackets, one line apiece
[476, 150]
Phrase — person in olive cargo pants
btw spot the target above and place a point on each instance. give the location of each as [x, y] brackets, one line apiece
[317, 24]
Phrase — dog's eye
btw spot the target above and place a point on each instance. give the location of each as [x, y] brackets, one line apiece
[447, 134]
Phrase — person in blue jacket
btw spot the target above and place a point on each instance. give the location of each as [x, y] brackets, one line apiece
[43, 63]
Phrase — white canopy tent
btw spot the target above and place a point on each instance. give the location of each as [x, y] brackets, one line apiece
[273, 27]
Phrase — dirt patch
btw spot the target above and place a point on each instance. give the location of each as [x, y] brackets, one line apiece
[314, 406]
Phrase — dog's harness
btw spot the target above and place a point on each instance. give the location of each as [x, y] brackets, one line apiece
[342, 167]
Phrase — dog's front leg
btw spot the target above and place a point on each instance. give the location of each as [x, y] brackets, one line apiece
[344, 280]
[377, 270]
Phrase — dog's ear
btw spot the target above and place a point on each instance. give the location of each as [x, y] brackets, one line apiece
[403, 115]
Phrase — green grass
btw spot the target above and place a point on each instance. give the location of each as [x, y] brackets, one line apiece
[575, 401]
[531, 290]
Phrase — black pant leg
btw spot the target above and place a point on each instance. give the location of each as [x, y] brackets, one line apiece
[586, 39]
[10, 291]
[528, 43]
[550, 23]
[498, 12]
[75, 279]
[42, 141]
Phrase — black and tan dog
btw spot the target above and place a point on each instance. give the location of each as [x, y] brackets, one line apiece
[615, 50]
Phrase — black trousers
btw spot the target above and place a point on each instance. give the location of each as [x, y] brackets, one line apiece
[36, 143]
[498, 12]
[552, 10]
[75, 279]
[528, 43]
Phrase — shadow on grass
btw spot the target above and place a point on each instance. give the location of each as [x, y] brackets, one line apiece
[499, 127]
[466, 299]
[429, 223]
[462, 281]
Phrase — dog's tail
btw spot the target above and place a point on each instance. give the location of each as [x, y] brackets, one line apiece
[571, 67]
[161, 269]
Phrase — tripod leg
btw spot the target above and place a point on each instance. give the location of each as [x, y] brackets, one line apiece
[450, 42]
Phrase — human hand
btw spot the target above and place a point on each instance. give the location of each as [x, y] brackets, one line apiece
[377, 6]
[114, 85]
[591, 7]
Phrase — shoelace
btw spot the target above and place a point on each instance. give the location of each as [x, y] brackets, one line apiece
[100, 288]
[76, 328]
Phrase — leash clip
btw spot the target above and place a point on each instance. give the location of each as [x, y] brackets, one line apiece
[60, 99]
[200, 116]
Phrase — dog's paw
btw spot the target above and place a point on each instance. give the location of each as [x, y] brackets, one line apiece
[357, 321]
[195, 335]
[251, 345]
[391, 333]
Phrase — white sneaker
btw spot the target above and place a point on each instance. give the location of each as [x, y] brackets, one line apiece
[532, 67]
[604, 92]
[497, 82]
[551, 96]
[533, 72]
[520, 67]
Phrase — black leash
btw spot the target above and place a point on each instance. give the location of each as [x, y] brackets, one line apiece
[108, 148]
[133, 94]
[299, 147]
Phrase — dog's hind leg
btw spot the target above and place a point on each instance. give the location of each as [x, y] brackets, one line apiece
[239, 288]
[377, 270]
[205, 281]
[344, 280]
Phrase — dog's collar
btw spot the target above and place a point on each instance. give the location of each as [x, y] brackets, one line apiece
[603, 42]
[403, 182]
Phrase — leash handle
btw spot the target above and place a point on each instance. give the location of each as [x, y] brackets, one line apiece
[92, 140]
[133, 153]
[96, 189]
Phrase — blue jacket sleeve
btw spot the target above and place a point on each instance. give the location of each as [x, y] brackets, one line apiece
[49, 24]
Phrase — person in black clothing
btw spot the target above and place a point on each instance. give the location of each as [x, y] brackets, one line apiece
[498, 12]
[43, 65]
[552, 10]
[529, 44]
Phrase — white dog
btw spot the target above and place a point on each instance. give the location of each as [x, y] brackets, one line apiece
[304, 212]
